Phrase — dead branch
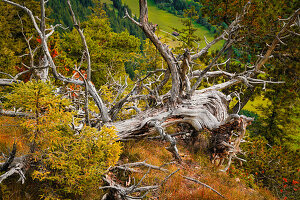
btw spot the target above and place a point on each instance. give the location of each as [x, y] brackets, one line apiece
[137, 164]
[86, 49]
[231, 33]
[4, 166]
[207, 47]
[203, 72]
[121, 89]
[165, 180]
[205, 185]
[86, 100]
[13, 165]
[122, 192]
[15, 170]
[291, 20]
[172, 148]
[10, 113]
[8, 82]
[162, 48]
[212, 74]
[118, 106]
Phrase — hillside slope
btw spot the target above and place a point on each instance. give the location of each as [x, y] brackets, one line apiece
[167, 21]
[195, 165]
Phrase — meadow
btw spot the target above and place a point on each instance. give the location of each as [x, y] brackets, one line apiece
[167, 21]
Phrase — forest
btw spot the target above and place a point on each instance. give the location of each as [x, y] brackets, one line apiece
[99, 102]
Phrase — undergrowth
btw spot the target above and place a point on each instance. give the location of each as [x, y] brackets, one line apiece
[195, 165]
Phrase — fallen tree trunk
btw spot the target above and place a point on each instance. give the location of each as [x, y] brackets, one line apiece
[203, 110]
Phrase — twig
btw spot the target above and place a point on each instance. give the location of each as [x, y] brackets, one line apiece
[138, 164]
[205, 185]
[163, 182]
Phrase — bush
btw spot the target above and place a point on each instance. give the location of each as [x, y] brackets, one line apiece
[77, 162]
[273, 167]
[66, 164]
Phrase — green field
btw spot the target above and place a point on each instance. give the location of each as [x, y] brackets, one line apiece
[106, 1]
[166, 21]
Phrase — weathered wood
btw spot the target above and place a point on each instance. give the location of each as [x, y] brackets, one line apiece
[16, 166]
[203, 110]
[4, 166]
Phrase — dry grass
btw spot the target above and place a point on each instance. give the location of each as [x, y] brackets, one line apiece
[10, 131]
[196, 166]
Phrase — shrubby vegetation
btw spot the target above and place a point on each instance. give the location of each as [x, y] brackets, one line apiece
[67, 163]
[273, 167]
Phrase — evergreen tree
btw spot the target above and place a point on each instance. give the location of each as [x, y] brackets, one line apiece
[187, 34]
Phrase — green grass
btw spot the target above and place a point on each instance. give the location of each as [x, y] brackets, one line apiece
[167, 21]
[258, 102]
[106, 1]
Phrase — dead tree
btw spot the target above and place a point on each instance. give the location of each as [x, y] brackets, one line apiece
[206, 108]
[201, 109]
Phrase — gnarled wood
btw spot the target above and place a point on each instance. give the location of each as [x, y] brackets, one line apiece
[203, 110]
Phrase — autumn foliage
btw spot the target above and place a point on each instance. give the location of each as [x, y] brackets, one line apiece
[71, 162]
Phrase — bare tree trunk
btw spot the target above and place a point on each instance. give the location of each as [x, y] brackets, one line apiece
[42, 69]
[162, 48]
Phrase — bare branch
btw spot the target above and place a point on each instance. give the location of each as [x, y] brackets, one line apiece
[172, 148]
[118, 106]
[20, 74]
[220, 86]
[7, 74]
[77, 26]
[52, 29]
[7, 82]
[138, 164]
[162, 48]
[233, 27]
[43, 23]
[131, 19]
[121, 90]
[230, 32]
[31, 54]
[207, 47]
[164, 81]
[196, 85]
[163, 182]
[4, 166]
[205, 185]
[197, 73]
[86, 100]
[14, 170]
[276, 40]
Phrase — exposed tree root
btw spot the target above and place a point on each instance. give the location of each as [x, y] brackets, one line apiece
[13, 165]
[223, 145]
